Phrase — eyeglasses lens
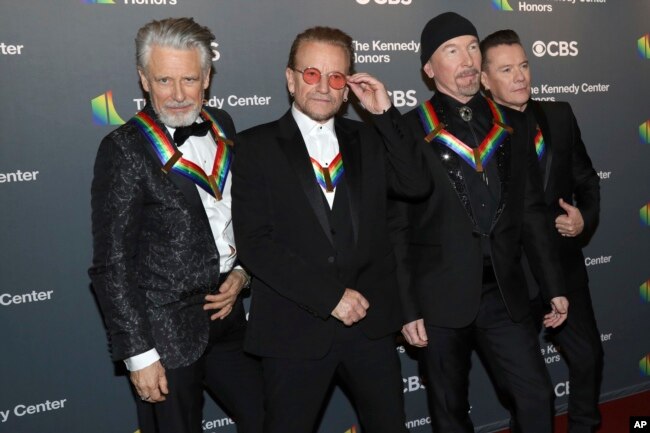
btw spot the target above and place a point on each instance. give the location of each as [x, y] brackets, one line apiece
[335, 80]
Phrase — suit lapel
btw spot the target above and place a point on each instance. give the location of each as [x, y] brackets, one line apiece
[185, 185]
[295, 150]
[451, 162]
[542, 121]
[503, 168]
[350, 149]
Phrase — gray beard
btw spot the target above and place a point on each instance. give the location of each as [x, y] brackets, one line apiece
[469, 90]
[177, 121]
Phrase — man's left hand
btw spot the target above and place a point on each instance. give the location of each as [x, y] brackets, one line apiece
[225, 299]
[371, 92]
[558, 314]
[571, 224]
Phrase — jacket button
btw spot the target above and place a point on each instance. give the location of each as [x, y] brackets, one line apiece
[330, 259]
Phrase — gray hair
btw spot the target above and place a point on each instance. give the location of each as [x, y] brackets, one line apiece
[178, 33]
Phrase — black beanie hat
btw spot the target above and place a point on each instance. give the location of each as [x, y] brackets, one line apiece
[440, 29]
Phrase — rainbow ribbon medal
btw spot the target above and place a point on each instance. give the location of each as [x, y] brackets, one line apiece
[172, 158]
[540, 147]
[223, 157]
[329, 177]
[478, 157]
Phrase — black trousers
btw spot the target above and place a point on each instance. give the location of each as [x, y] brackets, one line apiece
[232, 377]
[370, 370]
[512, 356]
[580, 346]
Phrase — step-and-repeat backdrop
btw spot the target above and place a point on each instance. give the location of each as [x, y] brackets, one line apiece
[67, 78]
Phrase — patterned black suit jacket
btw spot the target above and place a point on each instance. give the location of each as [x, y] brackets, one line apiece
[154, 255]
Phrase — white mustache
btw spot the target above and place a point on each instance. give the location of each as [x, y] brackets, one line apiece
[178, 104]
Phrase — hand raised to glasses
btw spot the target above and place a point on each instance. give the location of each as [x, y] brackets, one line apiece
[371, 92]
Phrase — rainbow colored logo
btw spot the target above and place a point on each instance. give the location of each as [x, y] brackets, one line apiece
[643, 45]
[352, 429]
[644, 214]
[644, 365]
[104, 110]
[501, 5]
[98, 2]
[644, 132]
[644, 291]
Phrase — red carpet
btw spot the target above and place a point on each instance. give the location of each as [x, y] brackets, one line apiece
[615, 414]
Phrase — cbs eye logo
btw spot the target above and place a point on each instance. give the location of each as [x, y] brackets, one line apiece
[386, 2]
[555, 48]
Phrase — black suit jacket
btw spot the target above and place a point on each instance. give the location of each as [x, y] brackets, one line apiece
[438, 245]
[154, 255]
[284, 237]
[569, 175]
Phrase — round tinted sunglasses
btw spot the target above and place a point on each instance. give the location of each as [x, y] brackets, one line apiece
[335, 80]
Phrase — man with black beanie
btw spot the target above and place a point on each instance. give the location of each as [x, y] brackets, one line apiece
[459, 251]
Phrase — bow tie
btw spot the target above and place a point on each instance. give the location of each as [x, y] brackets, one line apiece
[182, 133]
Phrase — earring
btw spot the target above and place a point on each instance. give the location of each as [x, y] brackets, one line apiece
[291, 94]
[345, 99]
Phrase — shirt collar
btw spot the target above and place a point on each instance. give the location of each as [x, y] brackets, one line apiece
[308, 125]
[453, 103]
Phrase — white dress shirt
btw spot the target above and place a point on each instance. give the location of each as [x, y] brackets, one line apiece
[321, 141]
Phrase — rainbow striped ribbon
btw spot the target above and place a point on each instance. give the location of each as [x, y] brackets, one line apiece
[540, 146]
[172, 158]
[475, 157]
[329, 177]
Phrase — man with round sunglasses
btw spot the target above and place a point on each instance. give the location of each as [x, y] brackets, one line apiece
[336, 80]
[309, 208]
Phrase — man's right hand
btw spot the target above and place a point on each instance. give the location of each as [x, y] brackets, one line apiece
[415, 333]
[150, 383]
[558, 314]
[351, 308]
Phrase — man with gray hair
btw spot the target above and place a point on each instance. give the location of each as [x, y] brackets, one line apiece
[164, 263]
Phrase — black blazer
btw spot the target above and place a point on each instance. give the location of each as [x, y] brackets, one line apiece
[284, 239]
[569, 175]
[438, 245]
[154, 256]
